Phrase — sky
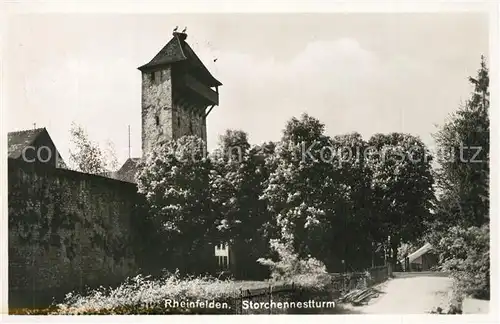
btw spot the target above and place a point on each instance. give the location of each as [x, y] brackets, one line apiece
[367, 73]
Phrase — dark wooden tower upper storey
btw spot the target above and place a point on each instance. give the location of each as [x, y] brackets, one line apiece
[190, 78]
[184, 89]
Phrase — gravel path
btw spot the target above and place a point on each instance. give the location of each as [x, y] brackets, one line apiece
[409, 295]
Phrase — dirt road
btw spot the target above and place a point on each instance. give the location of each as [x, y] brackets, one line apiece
[409, 294]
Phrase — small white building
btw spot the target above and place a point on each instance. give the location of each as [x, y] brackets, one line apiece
[222, 255]
[423, 259]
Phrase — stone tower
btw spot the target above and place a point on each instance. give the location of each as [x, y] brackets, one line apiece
[178, 93]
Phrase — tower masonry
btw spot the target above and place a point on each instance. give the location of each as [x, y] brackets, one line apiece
[178, 93]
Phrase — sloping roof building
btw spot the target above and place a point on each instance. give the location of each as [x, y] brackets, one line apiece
[178, 93]
[34, 145]
[418, 253]
[18, 141]
[128, 170]
[179, 52]
[423, 259]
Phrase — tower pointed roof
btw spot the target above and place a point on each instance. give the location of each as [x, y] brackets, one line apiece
[178, 51]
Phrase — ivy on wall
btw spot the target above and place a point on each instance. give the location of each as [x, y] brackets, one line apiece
[44, 211]
[37, 213]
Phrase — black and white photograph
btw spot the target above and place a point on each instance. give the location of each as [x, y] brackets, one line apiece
[218, 163]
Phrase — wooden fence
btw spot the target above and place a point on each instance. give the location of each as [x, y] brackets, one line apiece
[247, 300]
[255, 301]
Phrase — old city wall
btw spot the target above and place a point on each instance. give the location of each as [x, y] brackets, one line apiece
[67, 231]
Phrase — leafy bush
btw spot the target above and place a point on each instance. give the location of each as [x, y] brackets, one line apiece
[142, 295]
[310, 272]
[465, 253]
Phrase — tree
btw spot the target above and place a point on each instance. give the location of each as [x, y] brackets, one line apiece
[237, 182]
[463, 173]
[87, 156]
[358, 231]
[174, 180]
[227, 181]
[303, 189]
[321, 196]
[460, 230]
[402, 188]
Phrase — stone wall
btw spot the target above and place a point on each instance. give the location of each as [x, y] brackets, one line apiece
[156, 108]
[189, 121]
[67, 231]
[168, 112]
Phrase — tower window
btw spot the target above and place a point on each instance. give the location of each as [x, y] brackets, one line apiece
[191, 127]
[157, 77]
[157, 120]
[179, 121]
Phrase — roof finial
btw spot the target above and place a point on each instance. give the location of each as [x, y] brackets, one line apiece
[184, 30]
[175, 29]
[129, 141]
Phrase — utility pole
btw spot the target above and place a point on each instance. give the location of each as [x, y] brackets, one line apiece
[129, 141]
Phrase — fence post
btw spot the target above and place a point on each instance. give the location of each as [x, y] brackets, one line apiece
[270, 297]
[240, 306]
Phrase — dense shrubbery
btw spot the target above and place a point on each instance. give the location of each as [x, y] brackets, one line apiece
[142, 295]
[465, 253]
[307, 273]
